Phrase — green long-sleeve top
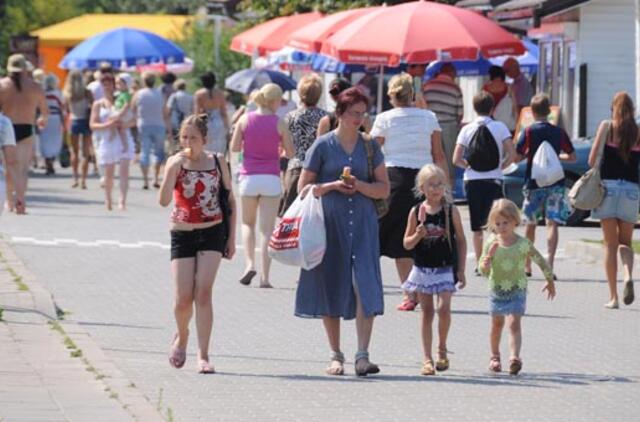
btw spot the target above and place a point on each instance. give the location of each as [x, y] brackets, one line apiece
[506, 272]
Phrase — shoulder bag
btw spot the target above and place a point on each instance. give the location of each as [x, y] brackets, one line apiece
[588, 192]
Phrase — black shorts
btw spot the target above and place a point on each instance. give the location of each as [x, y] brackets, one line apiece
[186, 244]
[22, 131]
[480, 197]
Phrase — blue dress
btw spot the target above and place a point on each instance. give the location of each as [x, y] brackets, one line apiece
[353, 250]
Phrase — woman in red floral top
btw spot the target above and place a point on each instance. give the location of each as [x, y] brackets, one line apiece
[200, 236]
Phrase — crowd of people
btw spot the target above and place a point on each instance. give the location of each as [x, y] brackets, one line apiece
[405, 156]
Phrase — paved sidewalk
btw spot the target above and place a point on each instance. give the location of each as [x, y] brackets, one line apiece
[45, 371]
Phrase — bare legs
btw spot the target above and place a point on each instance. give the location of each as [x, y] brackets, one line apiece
[444, 323]
[617, 236]
[403, 266]
[75, 161]
[477, 245]
[24, 151]
[552, 241]
[193, 281]
[515, 332]
[267, 206]
[124, 183]
[109, 171]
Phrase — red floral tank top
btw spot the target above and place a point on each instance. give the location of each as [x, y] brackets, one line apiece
[196, 196]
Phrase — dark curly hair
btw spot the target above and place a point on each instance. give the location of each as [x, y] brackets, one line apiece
[200, 121]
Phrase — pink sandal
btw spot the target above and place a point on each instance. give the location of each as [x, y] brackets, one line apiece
[177, 355]
[495, 365]
[204, 367]
[407, 305]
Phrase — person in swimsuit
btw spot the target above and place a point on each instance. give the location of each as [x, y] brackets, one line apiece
[202, 233]
[20, 99]
[212, 102]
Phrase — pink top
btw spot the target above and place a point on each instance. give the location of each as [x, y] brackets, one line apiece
[261, 145]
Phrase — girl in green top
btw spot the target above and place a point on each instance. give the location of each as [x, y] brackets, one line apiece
[503, 260]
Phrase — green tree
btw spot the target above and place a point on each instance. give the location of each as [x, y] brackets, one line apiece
[140, 6]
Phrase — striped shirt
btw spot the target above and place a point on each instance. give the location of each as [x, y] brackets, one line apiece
[444, 98]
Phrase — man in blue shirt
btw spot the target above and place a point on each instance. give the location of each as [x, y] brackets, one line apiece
[547, 202]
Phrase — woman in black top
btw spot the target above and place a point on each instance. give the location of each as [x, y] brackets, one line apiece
[618, 212]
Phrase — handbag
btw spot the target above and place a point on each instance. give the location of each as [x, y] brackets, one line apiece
[223, 199]
[588, 192]
[382, 205]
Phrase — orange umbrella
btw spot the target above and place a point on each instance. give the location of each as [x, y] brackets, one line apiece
[310, 37]
[271, 35]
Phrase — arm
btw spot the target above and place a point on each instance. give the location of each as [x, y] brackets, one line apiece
[238, 114]
[11, 163]
[595, 147]
[226, 180]
[549, 287]
[380, 140]
[307, 181]
[567, 152]
[223, 113]
[380, 188]
[568, 158]
[458, 157]
[510, 155]
[43, 108]
[437, 152]
[197, 103]
[236, 139]
[461, 245]
[489, 250]
[170, 177]
[414, 233]
[94, 120]
[323, 126]
[285, 139]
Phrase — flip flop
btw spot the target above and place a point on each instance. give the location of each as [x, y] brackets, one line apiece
[177, 355]
[407, 305]
[628, 295]
[205, 367]
[515, 365]
[246, 279]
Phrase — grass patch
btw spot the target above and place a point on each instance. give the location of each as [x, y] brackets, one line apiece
[635, 244]
[17, 279]
[1, 311]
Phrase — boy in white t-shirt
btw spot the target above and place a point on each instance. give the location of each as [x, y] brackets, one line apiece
[483, 187]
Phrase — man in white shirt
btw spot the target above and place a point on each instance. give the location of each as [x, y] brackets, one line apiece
[483, 186]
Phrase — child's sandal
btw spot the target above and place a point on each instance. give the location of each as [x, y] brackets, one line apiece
[494, 364]
[427, 368]
[515, 365]
[442, 364]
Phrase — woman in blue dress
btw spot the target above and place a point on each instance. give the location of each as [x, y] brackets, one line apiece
[347, 284]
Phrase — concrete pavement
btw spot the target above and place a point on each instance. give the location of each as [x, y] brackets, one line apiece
[110, 272]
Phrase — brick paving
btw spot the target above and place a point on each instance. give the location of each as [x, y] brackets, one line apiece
[580, 360]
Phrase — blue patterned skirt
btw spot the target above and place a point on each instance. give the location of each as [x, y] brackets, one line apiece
[430, 281]
[507, 303]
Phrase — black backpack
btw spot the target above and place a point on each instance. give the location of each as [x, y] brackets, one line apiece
[483, 153]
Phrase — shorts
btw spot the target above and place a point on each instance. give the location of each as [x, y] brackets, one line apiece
[549, 203]
[187, 243]
[621, 201]
[259, 185]
[430, 281]
[23, 131]
[80, 127]
[480, 196]
[152, 139]
[511, 303]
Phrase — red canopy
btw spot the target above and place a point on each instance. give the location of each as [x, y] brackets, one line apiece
[271, 35]
[420, 32]
[310, 37]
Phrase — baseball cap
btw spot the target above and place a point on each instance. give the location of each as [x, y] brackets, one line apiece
[16, 63]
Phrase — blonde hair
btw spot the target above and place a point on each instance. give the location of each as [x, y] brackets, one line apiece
[427, 172]
[267, 94]
[74, 89]
[502, 208]
[401, 88]
[310, 89]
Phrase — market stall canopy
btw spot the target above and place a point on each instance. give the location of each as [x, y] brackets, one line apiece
[72, 32]
[310, 37]
[122, 47]
[271, 35]
[420, 32]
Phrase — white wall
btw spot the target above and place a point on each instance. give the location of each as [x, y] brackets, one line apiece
[607, 44]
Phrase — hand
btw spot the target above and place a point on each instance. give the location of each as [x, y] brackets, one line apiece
[343, 188]
[305, 190]
[41, 122]
[550, 288]
[178, 160]
[421, 231]
[230, 249]
[462, 280]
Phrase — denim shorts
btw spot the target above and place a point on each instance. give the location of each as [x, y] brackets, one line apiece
[80, 127]
[152, 139]
[621, 201]
[508, 303]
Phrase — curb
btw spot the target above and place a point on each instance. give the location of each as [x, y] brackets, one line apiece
[128, 395]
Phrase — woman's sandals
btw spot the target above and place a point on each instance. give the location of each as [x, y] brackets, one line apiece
[363, 367]
[427, 368]
[336, 366]
[495, 365]
[177, 354]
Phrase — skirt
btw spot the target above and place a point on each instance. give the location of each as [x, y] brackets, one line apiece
[430, 281]
[291, 178]
[401, 200]
[621, 201]
[508, 303]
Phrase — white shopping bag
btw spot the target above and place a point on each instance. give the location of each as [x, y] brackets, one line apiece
[546, 168]
[300, 238]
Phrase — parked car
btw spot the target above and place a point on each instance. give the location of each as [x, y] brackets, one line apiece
[514, 181]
